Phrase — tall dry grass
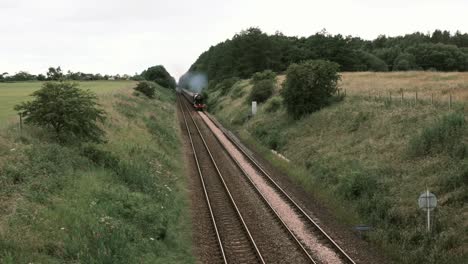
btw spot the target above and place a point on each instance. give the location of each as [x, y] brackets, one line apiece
[427, 84]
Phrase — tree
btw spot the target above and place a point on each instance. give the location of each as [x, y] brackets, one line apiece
[261, 91]
[41, 77]
[146, 88]
[54, 74]
[159, 75]
[71, 113]
[309, 86]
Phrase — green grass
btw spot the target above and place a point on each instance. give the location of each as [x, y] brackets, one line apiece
[368, 160]
[15, 93]
[120, 202]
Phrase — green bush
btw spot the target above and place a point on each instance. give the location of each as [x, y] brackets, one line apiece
[147, 88]
[237, 92]
[264, 75]
[273, 104]
[261, 91]
[71, 113]
[309, 86]
[444, 136]
[225, 85]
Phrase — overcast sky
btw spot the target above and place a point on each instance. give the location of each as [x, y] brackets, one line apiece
[123, 36]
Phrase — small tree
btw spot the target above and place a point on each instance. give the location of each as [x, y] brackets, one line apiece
[261, 91]
[264, 75]
[54, 74]
[146, 88]
[71, 113]
[309, 86]
[159, 75]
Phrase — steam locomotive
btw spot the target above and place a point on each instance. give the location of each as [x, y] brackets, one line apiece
[195, 99]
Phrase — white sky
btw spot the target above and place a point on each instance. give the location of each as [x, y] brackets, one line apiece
[123, 36]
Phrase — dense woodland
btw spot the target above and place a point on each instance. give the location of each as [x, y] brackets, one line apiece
[252, 51]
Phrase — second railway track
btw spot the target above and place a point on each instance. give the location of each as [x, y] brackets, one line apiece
[294, 245]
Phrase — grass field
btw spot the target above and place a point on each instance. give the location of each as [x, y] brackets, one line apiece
[14, 93]
[369, 160]
[123, 201]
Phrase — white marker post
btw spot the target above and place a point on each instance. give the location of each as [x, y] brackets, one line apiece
[254, 107]
[427, 201]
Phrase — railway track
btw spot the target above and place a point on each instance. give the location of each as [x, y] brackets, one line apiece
[235, 242]
[310, 225]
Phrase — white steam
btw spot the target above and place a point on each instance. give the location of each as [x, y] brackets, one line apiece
[195, 82]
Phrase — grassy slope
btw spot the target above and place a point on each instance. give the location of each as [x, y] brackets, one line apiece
[355, 154]
[119, 202]
[14, 93]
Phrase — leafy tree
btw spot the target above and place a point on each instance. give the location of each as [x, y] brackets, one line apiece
[71, 113]
[54, 74]
[159, 75]
[261, 91]
[41, 77]
[146, 88]
[309, 86]
[405, 62]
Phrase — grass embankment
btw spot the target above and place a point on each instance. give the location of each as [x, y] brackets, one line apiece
[119, 202]
[12, 94]
[375, 157]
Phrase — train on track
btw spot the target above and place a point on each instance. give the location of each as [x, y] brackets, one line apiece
[196, 99]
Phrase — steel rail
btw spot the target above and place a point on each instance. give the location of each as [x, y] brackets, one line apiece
[244, 225]
[200, 174]
[339, 250]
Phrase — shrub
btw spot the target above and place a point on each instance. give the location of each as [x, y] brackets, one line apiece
[146, 88]
[261, 91]
[70, 112]
[444, 136]
[238, 91]
[225, 85]
[264, 75]
[273, 104]
[309, 86]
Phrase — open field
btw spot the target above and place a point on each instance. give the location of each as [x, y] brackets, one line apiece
[369, 160]
[122, 201]
[426, 84]
[14, 93]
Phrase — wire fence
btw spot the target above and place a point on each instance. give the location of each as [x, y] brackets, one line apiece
[408, 98]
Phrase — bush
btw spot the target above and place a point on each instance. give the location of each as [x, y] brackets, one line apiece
[237, 92]
[225, 85]
[264, 75]
[309, 86]
[146, 88]
[261, 91]
[273, 104]
[70, 112]
[444, 136]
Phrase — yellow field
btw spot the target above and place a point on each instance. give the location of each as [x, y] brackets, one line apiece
[426, 84]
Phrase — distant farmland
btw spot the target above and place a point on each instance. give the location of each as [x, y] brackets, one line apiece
[426, 84]
[14, 93]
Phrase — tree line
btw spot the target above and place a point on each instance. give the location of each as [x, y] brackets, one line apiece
[253, 51]
[57, 74]
[156, 74]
